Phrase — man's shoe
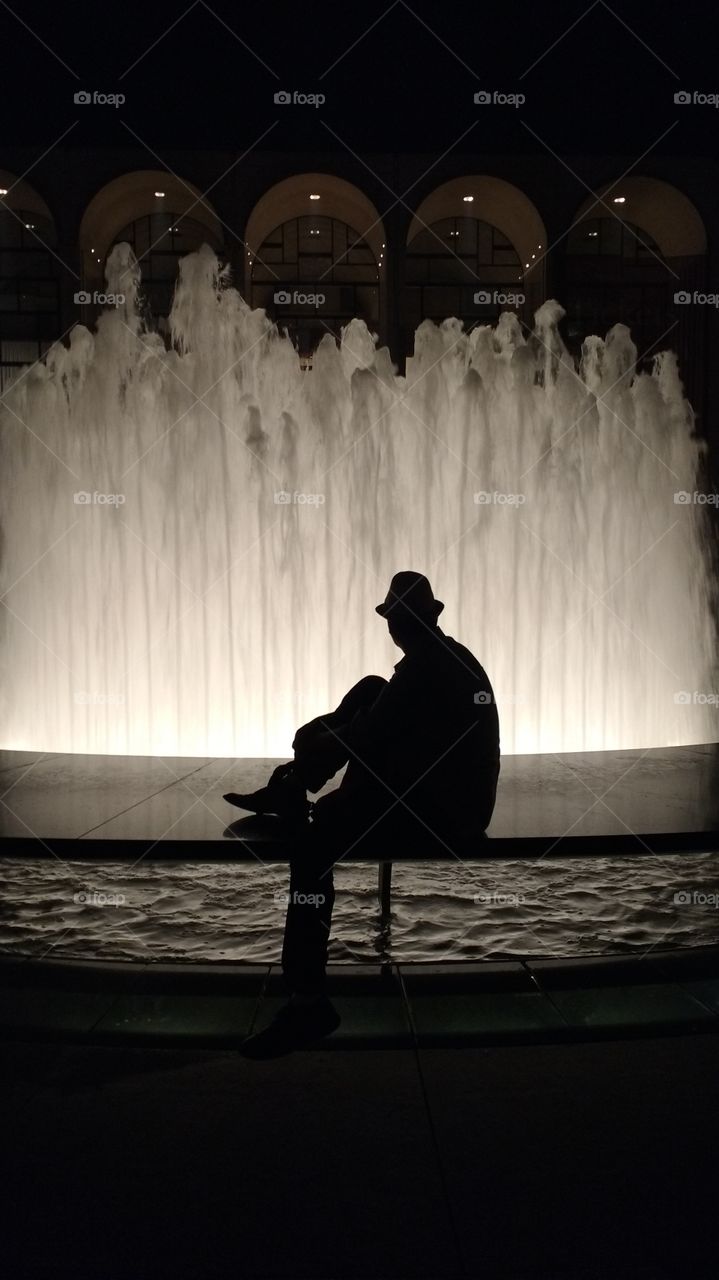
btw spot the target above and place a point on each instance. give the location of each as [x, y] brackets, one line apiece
[285, 797]
[294, 1026]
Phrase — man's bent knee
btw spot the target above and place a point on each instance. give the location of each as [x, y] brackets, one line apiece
[361, 695]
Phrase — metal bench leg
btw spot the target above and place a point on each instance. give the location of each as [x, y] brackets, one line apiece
[384, 889]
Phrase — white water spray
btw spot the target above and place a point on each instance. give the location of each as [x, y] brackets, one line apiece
[213, 584]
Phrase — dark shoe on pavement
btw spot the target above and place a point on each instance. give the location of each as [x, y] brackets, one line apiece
[294, 1026]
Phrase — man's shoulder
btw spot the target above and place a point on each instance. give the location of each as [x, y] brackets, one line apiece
[464, 656]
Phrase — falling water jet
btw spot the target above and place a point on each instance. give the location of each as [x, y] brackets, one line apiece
[194, 537]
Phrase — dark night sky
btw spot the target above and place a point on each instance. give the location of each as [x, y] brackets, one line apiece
[398, 89]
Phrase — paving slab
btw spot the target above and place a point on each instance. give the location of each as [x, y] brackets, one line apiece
[580, 1161]
[705, 990]
[659, 1005]
[485, 1015]
[318, 1166]
[202, 1018]
[41, 1010]
[368, 998]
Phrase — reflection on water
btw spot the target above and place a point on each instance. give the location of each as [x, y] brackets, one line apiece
[458, 911]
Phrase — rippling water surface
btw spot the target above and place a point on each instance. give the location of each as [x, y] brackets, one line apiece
[210, 911]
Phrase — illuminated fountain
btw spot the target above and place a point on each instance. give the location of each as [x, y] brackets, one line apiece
[163, 596]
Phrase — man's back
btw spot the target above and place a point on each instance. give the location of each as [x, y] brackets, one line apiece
[433, 736]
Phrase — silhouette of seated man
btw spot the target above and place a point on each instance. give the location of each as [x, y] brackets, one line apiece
[422, 757]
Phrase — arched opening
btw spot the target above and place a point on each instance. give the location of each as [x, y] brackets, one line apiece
[29, 277]
[161, 217]
[475, 248]
[315, 258]
[632, 254]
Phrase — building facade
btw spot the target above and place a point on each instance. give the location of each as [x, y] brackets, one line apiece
[392, 239]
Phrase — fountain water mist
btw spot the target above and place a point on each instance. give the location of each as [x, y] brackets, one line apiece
[194, 539]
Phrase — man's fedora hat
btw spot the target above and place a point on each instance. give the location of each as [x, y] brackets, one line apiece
[411, 593]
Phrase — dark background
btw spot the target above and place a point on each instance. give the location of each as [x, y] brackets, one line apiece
[196, 84]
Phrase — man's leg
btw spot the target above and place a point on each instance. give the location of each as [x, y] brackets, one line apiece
[318, 747]
[341, 820]
[319, 754]
[338, 819]
[309, 912]
[361, 696]
[309, 1014]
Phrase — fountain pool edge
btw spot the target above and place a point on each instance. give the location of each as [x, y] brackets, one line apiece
[381, 1006]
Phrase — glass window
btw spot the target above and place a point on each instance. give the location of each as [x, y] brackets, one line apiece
[270, 253]
[611, 237]
[290, 241]
[467, 253]
[478, 242]
[40, 295]
[440, 303]
[163, 266]
[29, 289]
[339, 239]
[320, 255]
[347, 274]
